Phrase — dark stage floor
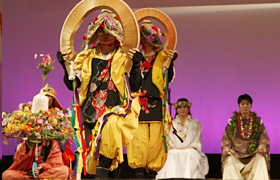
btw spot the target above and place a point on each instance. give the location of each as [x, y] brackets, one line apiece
[213, 159]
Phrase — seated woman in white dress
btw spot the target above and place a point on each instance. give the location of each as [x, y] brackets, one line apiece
[185, 157]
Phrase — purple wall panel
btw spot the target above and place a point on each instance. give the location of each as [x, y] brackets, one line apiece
[224, 51]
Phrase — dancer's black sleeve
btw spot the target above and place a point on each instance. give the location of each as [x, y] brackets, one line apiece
[171, 70]
[67, 82]
[135, 79]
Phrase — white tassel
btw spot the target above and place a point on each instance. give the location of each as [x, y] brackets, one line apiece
[36, 151]
[72, 72]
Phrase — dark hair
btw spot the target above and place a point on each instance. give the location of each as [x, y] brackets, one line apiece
[183, 100]
[245, 97]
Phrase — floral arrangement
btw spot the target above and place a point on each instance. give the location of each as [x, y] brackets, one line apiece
[110, 23]
[53, 124]
[114, 26]
[153, 36]
[46, 65]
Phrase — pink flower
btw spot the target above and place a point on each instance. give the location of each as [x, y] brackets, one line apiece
[48, 55]
[40, 121]
[48, 59]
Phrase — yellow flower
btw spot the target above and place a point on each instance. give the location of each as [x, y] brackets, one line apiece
[54, 122]
[26, 108]
[17, 121]
[12, 118]
[10, 128]
[21, 126]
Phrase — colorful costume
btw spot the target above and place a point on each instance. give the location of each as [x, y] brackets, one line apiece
[185, 163]
[245, 156]
[50, 161]
[105, 107]
[147, 149]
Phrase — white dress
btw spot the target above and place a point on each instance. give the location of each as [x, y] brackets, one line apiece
[185, 163]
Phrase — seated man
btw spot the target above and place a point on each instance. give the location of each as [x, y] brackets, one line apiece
[50, 162]
[245, 145]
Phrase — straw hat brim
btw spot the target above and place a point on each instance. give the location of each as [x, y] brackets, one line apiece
[84, 8]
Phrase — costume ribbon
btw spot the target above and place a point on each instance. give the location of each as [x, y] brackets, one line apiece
[165, 118]
[79, 132]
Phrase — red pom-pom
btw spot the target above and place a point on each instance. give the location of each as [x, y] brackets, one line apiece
[102, 25]
[95, 18]
[155, 28]
[84, 37]
[93, 45]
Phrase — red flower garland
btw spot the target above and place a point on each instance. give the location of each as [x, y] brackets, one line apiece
[241, 126]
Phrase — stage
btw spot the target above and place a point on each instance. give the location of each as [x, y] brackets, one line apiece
[213, 159]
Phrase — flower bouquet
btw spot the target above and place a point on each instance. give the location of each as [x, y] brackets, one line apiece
[53, 124]
[46, 65]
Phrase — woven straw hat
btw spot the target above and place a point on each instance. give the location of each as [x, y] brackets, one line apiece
[166, 22]
[77, 15]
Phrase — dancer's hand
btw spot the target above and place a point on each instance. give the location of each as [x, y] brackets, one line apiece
[134, 54]
[37, 171]
[62, 57]
[171, 53]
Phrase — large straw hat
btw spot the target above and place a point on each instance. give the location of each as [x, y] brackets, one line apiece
[84, 8]
[165, 21]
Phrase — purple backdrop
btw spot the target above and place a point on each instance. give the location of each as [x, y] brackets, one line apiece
[224, 51]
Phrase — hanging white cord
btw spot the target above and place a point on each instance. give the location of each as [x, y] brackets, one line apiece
[72, 72]
[36, 151]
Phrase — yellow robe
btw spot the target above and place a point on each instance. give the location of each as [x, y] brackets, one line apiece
[147, 149]
[118, 131]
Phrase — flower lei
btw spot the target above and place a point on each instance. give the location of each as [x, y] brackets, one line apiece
[254, 131]
[241, 127]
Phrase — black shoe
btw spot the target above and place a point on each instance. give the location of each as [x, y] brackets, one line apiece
[152, 174]
[101, 173]
[114, 174]
[139, 173]
[88, 176]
